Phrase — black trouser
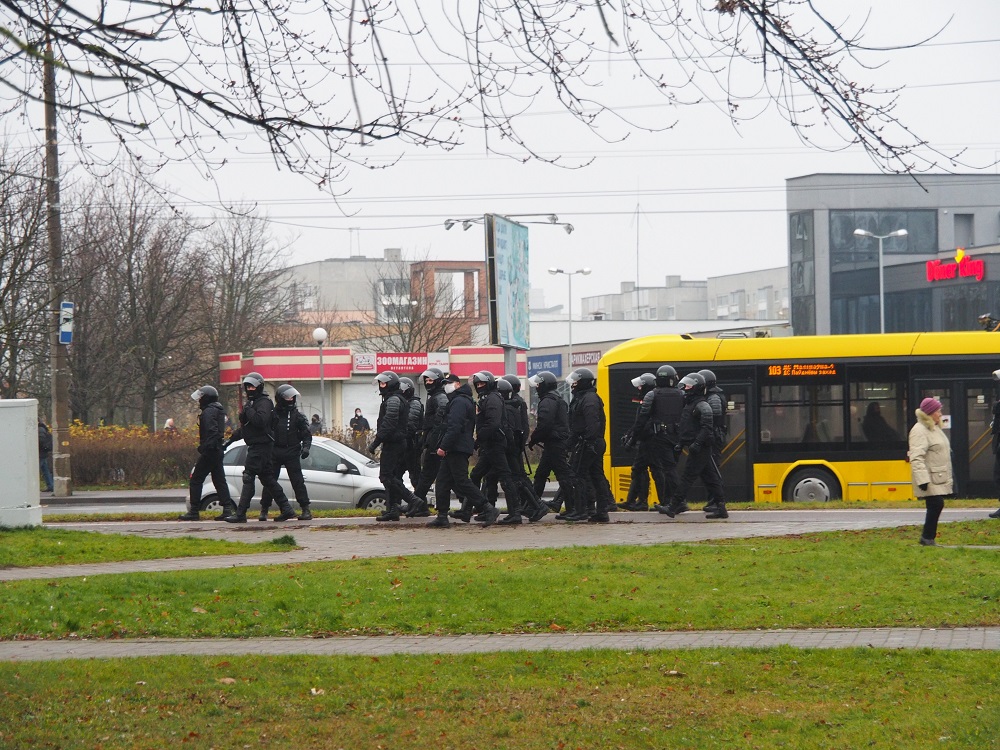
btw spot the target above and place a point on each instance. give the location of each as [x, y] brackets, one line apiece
[700, 465]
[390, 472]
[717, 458]
[428, 472]
[258, 465]
[935, 504]
[525, 499]
[554, 461]
[996, 468]
[209, 464]
[662, 465]
[453, 476]
[411, 460]
[293, 468]
[492, 466]
[595, 490]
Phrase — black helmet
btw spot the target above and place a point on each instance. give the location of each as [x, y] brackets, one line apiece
[205, 395]
[582, 378]
[710, 378]
[432, 377]
[253, 382]
[286, 394]
[483, 381]
[645, 382]
[544, 381]
[693, 384]
[666, 376]
[514, 380]
[505, 388]
[387, 381]
[407, 387]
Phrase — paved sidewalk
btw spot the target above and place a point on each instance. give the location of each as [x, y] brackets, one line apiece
[979, 639]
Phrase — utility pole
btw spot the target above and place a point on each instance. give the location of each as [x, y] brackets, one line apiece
[58, 360]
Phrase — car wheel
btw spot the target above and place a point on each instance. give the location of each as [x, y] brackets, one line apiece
[211, 504]
[374, 501]
[811, 485]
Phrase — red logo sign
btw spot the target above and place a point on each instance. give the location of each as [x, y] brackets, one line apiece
[963, 267]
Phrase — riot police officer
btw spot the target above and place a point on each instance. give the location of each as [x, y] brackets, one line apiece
[414, 447]
[655, 432]
[257, 431]
[695, 434]
[432, 430]
[492, 435]
[211, 435]
[390, 435]
[517, 418]
[552, 432]
[716, 398]
[587, 422]
[292, 442]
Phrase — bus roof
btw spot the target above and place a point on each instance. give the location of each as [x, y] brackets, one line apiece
[673, 349]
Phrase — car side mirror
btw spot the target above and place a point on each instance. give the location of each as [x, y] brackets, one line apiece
[342, 468]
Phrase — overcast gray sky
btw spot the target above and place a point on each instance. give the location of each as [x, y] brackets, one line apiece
[702, 199]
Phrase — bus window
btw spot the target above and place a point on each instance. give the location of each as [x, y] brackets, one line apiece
[811, 414]
[878, 412]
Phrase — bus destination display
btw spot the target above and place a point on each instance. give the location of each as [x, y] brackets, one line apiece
[802, 370]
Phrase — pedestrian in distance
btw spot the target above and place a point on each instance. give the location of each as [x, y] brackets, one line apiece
[315, 425]
[292, 443]
[930, 464]
[211, 437]
[456, 447]
[45, 447]
[359, 429]
[257, 431]
[552, 433]
[390, 436]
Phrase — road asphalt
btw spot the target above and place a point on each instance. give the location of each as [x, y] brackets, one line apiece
[345, 539]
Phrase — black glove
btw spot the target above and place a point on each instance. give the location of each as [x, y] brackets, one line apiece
[678, 448]
[304, 454]
[226, 444]
[695, 447]
[924, 486]
[374, 445]
[531, 444]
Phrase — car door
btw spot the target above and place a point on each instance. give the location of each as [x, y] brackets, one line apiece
[324, 479]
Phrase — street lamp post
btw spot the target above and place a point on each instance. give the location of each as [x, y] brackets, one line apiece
[569, 278]
[319, 336]
[881, 274]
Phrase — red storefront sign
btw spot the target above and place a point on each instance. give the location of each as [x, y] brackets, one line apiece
[963, 267]
[401, 361]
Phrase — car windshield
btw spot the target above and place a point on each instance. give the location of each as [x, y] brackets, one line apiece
[346, 451]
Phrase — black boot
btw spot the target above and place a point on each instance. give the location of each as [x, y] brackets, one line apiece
[511, 519]
[287, 514]
[306, 514]
[391, 512]
[191, 515]
[462, 514]
[719, 511]
[440, 522]
[418, 508]
[263, 515]
[228, 509]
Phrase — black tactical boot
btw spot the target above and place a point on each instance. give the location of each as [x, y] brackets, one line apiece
[262, 516]
[228, 509]
[287, 514]
[719, 511]
[191, 515]
[440, 522]
[391, 513]
[418, 508]
[306, 514]
[511, 519]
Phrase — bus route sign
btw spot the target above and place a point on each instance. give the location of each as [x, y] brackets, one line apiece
[802, 370]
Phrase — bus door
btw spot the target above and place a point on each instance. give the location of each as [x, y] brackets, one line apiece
[735, 465]
[967, 409]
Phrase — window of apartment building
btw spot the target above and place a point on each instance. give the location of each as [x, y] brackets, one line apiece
[965, 235]
[671, 313]
[801, 245]
[848, 249]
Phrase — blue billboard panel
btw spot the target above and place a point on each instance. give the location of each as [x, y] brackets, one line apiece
[543, 362]
[507, 267]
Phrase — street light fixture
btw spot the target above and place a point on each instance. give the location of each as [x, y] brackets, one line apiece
[881, 275]
[569, 278]
[319, 336]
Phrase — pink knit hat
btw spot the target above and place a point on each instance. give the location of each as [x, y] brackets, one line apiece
[930, 405]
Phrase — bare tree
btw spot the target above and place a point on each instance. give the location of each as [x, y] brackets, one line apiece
[25, 301]
[319, 80]
[240, 302]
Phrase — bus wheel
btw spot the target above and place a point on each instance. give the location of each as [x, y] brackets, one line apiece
[812, 484]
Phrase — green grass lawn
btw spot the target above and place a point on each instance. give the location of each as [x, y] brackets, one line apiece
[38, 546]
[869, 578]
[712, 698]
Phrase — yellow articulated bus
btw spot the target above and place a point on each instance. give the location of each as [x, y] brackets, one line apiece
[821, 417]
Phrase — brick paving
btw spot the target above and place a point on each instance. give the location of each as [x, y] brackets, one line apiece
[341, 539]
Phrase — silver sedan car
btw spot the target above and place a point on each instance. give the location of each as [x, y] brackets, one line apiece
[336, 477]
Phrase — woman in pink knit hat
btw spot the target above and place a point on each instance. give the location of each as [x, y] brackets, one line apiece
[930, 464]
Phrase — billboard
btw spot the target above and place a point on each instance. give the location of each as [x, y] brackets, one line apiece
[507, 271]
